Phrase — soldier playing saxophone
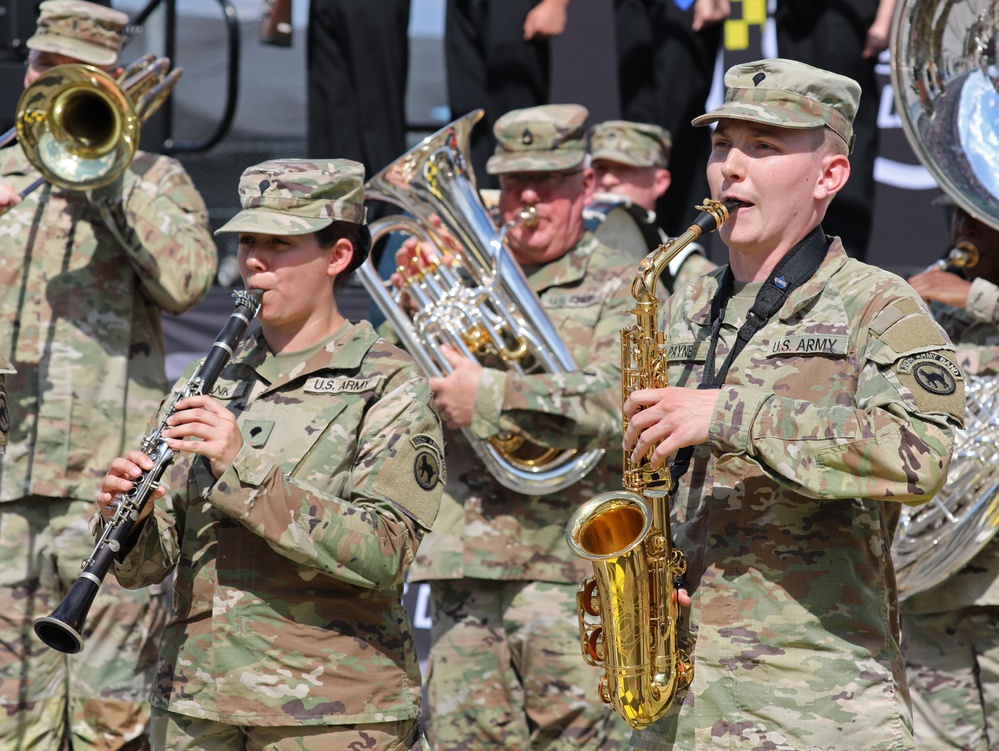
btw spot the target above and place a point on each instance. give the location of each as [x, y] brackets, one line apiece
[815, 395]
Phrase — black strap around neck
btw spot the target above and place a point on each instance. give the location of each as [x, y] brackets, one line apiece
[793, 270]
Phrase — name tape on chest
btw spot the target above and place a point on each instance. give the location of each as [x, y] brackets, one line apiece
[226, 391]
[571, 301]
[692, 351]
[319, 385]
[813, 344]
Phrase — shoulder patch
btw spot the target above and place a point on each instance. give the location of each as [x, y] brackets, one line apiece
[935, 380]
[428, 464]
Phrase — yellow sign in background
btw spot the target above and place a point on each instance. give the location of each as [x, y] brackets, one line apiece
[754, 13]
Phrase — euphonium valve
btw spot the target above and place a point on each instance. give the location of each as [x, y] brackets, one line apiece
[628, 609]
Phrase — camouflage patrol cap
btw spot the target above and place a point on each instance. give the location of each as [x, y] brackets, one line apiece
[637, 144]
[298, 196]
[788, 94]
[84, 31]
[548, 138]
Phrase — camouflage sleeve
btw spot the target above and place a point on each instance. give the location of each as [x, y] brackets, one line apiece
[581, 409]
[154, 553]
[370, 537]
[157, 214]
[983, 301]
[893, 442]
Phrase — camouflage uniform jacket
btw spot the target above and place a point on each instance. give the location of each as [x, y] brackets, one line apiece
[289, 568]
[786, 514]
[486, 531]
[975, 333]
[82, 285]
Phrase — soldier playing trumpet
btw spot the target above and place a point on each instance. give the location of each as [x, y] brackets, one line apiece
[85, 276]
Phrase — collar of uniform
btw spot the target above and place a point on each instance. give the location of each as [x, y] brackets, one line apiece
[568, 269]
[704, 288]
[344, 352]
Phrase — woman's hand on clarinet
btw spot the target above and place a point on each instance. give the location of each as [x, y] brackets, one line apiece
[204, 418]
[122, 475]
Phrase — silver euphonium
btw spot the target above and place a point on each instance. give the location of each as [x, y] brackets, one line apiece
[473, 298]
[947, 93]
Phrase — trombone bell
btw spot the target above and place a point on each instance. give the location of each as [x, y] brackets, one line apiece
[80, 126]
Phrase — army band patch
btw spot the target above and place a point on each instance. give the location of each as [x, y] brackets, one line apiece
[428, 466]
[932, 371]
[341, 385]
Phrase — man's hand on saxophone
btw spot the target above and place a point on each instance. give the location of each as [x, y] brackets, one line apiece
[669, 419]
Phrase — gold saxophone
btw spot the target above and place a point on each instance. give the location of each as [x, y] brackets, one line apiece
[625, 534]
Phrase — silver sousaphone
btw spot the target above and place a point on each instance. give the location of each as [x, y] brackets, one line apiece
[947, 95]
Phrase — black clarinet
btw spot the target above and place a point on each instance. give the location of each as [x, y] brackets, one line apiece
[62, 629]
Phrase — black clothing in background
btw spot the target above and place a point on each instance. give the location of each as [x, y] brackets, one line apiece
[831, 34]
[490, 65]
[665, 71]
[357, 63]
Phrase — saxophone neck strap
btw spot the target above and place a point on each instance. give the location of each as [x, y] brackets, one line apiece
[793, 270]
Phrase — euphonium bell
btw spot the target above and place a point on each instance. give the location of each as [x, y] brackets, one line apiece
[475, 298]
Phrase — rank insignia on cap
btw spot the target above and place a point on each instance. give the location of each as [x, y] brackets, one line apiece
[759, 78]
[527, 137]
[428, 465]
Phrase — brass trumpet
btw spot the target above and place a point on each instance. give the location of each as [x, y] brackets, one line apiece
[79, 126]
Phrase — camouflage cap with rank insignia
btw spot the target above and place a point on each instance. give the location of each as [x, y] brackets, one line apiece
[549, 138]
[298, 196]
[788, 94]
[84, 31]
[637, 144]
